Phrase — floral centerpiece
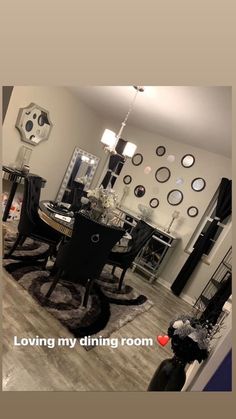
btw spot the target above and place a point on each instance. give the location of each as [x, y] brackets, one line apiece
[190, 341]
[190, 338]
[102, 201]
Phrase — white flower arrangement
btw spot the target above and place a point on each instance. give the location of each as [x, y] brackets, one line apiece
[102, 198]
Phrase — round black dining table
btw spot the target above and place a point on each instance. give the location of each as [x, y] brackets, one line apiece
[63, 222]
[53, 217]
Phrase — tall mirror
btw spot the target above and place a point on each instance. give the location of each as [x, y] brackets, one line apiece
[79, 174]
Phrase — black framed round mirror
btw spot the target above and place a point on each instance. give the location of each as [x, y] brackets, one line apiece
[127, 179]
[188, 160]
[139, 191]
[154, 202]
[162, 174]
[192, 211]
[160, 151]
[198, 184]
[175, 197]
[137, 159]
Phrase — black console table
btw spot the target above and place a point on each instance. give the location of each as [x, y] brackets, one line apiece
[16, 177]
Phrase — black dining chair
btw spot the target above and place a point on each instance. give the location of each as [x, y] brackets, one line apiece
[141, 233]
[30, 224]
[77, 192]
[82, 258]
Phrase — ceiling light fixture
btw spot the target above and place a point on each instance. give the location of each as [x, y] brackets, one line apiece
[110, 139]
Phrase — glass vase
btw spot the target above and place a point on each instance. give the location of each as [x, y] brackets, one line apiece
[23, 157]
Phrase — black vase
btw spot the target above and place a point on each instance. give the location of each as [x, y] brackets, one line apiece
[169, 376]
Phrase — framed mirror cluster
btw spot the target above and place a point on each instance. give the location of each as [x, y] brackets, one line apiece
[160, 151]
[80, 172]
[188, 160]
[198, 184]
[139, 191]
[137, 159]
[162, 174]
[154, 202]
[192, 211]
[175, 197]
[127, 179]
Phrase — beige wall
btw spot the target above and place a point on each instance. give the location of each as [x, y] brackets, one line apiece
[74, 124]
[212, 167]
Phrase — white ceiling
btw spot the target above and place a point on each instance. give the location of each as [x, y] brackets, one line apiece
[199, 116]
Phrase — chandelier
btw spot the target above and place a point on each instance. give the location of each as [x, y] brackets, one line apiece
[110, 138]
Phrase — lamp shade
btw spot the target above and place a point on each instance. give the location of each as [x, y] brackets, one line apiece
[109, 138]
[129, 150]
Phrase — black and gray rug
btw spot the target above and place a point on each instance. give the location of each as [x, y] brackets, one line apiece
[107, 310]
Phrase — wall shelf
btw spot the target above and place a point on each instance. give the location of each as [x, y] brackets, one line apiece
[221, 274]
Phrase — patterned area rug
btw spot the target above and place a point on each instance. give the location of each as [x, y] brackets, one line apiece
[107, 311]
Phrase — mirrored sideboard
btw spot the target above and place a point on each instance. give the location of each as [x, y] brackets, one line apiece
[153, 257]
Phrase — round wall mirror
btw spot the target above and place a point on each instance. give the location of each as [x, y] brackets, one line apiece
[154, 202]
[188, 160]
[198, 184]
[127, 179]
[137, 159]
[160, 151]
[192, 211]
[175, 197]
[139, 191]
[162, 174]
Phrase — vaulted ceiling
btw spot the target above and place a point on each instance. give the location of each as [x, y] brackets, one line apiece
[199, 116]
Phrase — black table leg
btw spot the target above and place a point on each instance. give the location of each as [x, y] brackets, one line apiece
[9, 201]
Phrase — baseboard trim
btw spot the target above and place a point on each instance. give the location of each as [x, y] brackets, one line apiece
[184, 297]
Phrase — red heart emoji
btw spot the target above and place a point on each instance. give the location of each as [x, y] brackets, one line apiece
[163, 340]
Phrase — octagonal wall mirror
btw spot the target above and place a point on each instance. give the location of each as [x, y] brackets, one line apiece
[154, 202]
[162, 174]
[160, 151]
[198, 184]
[188, 160]
[175, 197]
[34, 124]
[139, 191]
[137, 159]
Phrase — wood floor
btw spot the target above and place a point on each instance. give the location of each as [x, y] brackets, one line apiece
[100, 369]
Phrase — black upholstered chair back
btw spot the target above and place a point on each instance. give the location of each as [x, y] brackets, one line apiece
[86, 253]
[141, 233]
[29, 211]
